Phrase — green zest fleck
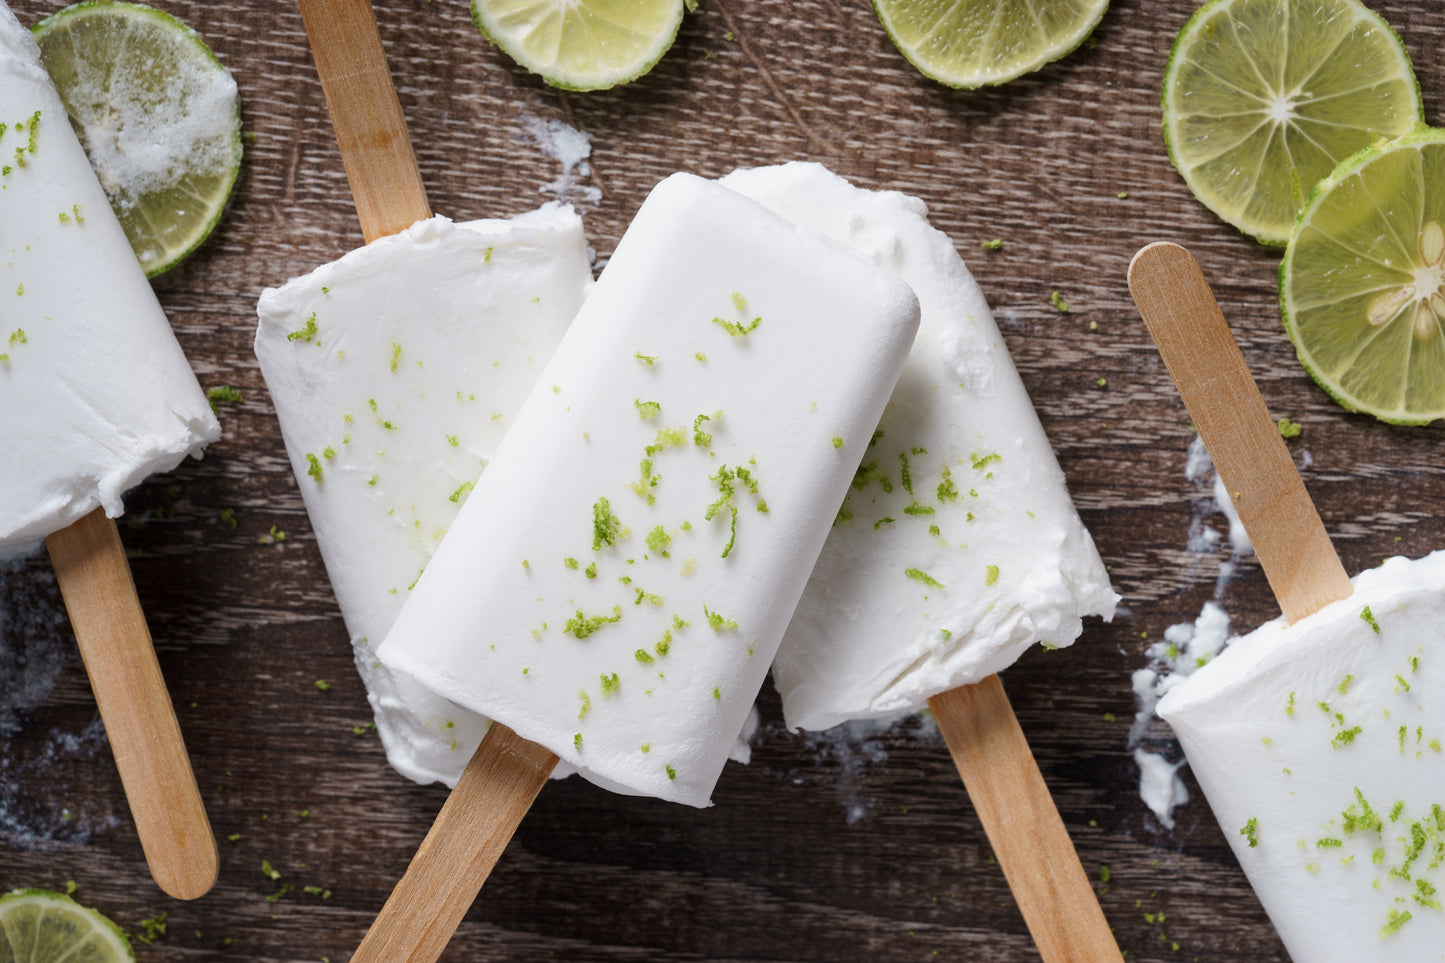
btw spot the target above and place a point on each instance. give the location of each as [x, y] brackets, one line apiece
[314, 469]
[1369, 619]
[739, 302]
[222, 395]
[647, 410]
[461, 490]
[1346, 736]
[307, 331]
[992, 575]
[700, 438]
[1289, 706]
[995, 245]
[610, 683]
[570, 562]
[946, 490]
[323, 686]
[981, 462]
[1393, 922]
[885, 520]
[577, 741]
[228, 518]
[837, 442]
[586, 703]
[934, 530]
[395, 355]
[735, 329]
[672, 774]
[905, 474]
[645, 359]
[918, 575]
[641, 655]
[1289, 429]
[717, 622]
[605, 526]
[581, 626]
[1057, 300]
[591, 570]
[917, 509]
[18, 336]
[657, 540]
[1345, 683]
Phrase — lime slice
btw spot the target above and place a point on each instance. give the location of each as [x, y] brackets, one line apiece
[158, 116]
[1362, 286]
[975, 43]
[581, 44]
[40, 926]
[1262, 98]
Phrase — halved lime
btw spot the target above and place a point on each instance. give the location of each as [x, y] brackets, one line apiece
[1262, 98]
[1362, 286]
[581, 44]
[41, 926]
[975, 43]
[158, 115]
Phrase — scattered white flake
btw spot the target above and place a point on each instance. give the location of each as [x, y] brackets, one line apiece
[855, 745]
[1160, 786]
[570, 148]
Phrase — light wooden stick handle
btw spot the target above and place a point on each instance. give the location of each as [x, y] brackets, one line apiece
[1267, 491]
[466, 840]
[130, 692]
[1023, 825]
[370, 128]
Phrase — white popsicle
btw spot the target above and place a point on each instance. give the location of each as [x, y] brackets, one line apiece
[96, 396]
[958, 546]
[96, 392]
[1319, 746]
[395, 372]
[618, 582]
[1316, 738]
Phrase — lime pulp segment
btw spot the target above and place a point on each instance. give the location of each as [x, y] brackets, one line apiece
[158, 116]
[975, 43]
[1262, 98]
[1362, 285]
[581, 44]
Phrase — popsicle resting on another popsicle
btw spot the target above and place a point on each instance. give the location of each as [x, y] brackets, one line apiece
[395, 372]
[616, 586]
[957, 546]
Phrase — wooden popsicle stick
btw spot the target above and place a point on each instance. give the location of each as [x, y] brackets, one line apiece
[1244, 443]
[464, 843]
[1023, 824]
[130, 692]
[370, 129]
[506, 772]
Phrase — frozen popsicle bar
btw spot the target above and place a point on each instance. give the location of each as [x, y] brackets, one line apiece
[96, 392]
[1319, 746]
[617, 583]
[957, 546]
[395, 371]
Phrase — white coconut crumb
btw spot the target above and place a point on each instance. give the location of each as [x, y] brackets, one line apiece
[571, 148]
[1160, 786]
[855, 745]
[142, 139]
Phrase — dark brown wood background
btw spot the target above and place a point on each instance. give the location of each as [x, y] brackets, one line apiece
[776, 871]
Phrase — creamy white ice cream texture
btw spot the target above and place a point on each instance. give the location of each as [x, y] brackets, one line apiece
[395, 372]
[96, 392]
[958, 546]
[1321, 749]
[618, 583]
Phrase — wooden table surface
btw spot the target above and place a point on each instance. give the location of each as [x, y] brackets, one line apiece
[838, 847]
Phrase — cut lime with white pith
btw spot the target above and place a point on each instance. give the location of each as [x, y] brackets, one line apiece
[1262, 98]
[158, 115]
[581, 44]
[1362, 286]
[41, 926]
[976, 43]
